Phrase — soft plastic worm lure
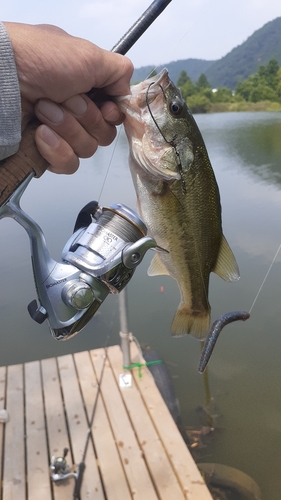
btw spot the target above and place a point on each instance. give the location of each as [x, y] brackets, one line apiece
[214, 332]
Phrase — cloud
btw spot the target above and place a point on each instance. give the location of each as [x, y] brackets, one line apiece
[202, 29]
[97, 10]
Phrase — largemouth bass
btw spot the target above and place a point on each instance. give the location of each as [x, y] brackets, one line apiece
[178, 197]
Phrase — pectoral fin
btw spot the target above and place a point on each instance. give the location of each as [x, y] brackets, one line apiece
[157, 267]
[226, 265]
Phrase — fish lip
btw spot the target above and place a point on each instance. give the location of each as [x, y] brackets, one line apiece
[153, 80]
[142, 86]
[129, 104]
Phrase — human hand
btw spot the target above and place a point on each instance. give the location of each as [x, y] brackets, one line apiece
[55, 71]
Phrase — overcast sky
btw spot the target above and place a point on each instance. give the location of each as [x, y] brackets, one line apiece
[204, 29]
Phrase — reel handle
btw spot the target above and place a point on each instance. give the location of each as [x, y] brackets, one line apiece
[15, 169]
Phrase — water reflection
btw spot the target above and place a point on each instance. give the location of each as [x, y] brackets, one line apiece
[246, 158]
[244, 372]
[253, 139]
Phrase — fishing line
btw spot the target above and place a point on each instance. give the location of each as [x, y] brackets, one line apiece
[227, 318]
[263, 282]
[172, 49]
[110, 161]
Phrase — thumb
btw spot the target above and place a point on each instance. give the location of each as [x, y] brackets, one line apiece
[114, 74]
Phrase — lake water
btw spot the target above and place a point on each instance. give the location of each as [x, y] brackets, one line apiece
[245, 369]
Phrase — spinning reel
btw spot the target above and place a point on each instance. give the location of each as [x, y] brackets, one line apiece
[100, 257]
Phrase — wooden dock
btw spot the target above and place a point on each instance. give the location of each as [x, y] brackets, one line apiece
[136, 451]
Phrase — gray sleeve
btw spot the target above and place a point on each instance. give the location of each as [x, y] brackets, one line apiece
[10, 101]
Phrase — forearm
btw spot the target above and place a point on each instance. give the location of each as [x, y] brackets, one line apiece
[10, 100]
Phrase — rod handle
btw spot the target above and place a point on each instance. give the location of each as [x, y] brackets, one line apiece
[15, 169]
[78, 483]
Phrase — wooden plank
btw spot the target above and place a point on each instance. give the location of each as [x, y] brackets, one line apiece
[139, 480]
[38, 470]
[14, 459]
[113, 475]
[56, 425]
[3, 371]
[128, 437]
[159, 465]
[78, 427]
[187, 472]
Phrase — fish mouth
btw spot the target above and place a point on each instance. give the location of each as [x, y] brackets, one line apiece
[133, 104]
[155, 80]
[151, 151]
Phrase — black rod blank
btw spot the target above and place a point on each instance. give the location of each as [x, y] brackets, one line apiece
[140, 26]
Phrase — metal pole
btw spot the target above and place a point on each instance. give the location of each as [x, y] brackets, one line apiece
[124, 331]
[122, 47]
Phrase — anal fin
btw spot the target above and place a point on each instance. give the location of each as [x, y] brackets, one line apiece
[226, 266]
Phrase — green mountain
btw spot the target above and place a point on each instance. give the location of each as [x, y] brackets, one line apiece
[263, 45]
[193, 67]
[241, 62]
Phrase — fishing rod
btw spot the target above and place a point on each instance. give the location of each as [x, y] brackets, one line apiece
[60, 470]
[108, 242]
[82, 465]
[140, 26]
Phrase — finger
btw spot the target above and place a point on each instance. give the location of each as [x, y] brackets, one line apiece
[93, 119]
[56, 151]
[81, 124]
[67, 127]
[111, 113]
[115, 72]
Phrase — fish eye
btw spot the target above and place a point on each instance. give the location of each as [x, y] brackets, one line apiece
[176, 108]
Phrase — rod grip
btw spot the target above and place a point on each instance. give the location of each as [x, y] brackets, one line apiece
[78, 483]
[16, 168]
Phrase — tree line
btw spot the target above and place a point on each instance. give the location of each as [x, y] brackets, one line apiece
[260, 91]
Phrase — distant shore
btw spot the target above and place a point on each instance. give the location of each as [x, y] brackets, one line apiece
[221, 107]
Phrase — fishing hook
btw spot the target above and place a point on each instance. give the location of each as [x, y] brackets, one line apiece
[172, 142]
[149, 109]
[214, 332]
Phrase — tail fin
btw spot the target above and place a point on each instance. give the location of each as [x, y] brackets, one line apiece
[191, 322]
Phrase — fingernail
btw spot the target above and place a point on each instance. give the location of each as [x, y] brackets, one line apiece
[76, 105]
[51, 111]
[49, 136]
